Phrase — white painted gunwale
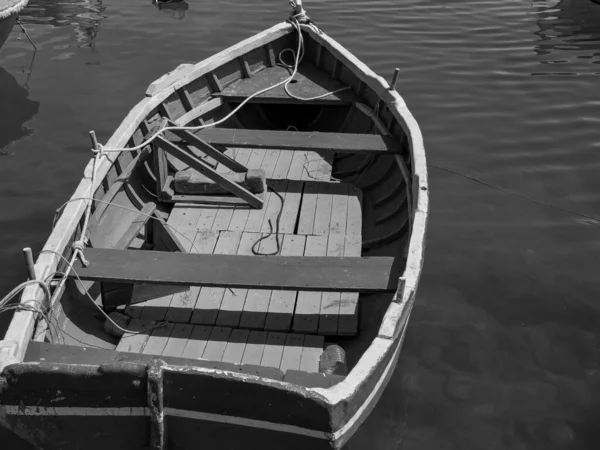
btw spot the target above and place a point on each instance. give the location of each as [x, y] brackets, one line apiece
[13, 347]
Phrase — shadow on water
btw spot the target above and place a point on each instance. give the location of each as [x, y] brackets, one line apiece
[16, 109]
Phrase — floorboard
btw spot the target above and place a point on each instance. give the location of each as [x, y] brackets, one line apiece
[232, 306]
[178, 340]
[292, 352]
[234, 351]
[194, 348]
[311, 353]
[134, 342]
[215, 347]
[209, 300]
[273, 350]
[158, 340]
[254, 349]
[281, 306]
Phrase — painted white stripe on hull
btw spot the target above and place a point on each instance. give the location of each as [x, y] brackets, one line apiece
[13, 410]
[246, 422]
[143, 411]
[172, 412]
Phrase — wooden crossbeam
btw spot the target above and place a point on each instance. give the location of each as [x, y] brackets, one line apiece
[338, 274]
[204, 146]
[196, 163]
[301, 140]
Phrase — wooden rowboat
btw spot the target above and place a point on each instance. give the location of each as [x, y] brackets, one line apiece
[252, 353]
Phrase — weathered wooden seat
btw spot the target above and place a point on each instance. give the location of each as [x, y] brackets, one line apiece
[308, 273]
[299, 140]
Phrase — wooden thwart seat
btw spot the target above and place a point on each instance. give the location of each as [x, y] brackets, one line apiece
[327, 273]
[300, 140]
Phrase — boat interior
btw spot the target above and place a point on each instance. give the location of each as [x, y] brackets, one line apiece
[336, 171]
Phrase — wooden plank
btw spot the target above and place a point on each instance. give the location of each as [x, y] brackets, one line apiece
[239, 219]
[308, 208]
[236, 345]
[283, 166]
[311, 353]
[330, 302]
[291, 207]
[196, 344]
[158, 340]
[308, 304]
[354, 219]
[310, 82]
[223, 218]
[134, 342]
[207, 217]
[182, 304]
[273, 350]
[323, 209]
[344, 274]
[348, 314]
[136, 226]
[292, 352]
[161, 169]
[215, 347]
[256, 158]
[281, 306]
[301, 140]
[196, 163]
[210, 298]
[231, 308]
[270, 162]
[209, 150]
[339, 208]
[255, 346]
[299, 160]
[255, 309]
[178, 339]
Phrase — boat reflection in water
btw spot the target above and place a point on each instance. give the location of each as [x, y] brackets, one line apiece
[16, 110]
[567, 27]
[175, 9]
[85, 16]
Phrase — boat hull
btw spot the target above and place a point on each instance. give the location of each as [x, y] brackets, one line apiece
[110, 404]
[6, 26]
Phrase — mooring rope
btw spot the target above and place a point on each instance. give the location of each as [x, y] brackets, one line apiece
[294, 19]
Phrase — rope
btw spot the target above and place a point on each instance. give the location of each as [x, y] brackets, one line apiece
[297, 59]
[158, 325]
[515, 194]
[8, 297]
[276, 252]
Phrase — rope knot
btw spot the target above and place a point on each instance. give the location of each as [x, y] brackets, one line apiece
[98, 150]
[78, 247]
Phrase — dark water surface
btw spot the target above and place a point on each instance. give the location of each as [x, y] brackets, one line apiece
[502, 350]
